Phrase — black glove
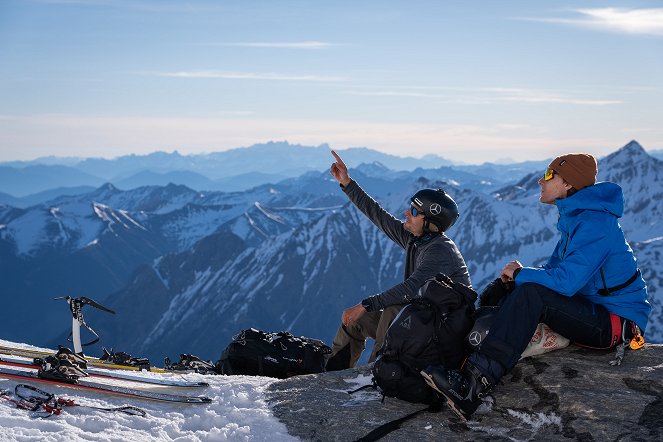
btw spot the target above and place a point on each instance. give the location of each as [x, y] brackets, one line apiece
[494, 292]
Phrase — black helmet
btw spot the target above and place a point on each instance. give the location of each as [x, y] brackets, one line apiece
[440, 209]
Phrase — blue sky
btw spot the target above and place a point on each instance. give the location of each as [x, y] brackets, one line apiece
[471, 81]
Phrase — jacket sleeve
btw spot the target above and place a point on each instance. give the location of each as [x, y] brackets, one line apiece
[586, 251]
[436, 258]
[384, 220]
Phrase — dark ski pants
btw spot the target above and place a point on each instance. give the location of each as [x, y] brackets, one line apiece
[573, 317]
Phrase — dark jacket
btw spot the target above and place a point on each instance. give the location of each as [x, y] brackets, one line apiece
[592, 240]
[425, 256]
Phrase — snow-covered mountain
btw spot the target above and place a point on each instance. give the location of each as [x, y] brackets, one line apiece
[228, 171]
[185, 270]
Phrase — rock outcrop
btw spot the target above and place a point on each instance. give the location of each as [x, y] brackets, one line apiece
[571, 394]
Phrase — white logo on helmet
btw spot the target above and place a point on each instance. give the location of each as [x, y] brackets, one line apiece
[435, 209]
[475, 338]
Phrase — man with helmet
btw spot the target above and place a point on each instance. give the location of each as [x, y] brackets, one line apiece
[428, 252]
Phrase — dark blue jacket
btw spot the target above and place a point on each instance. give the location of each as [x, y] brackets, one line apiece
[592, 239]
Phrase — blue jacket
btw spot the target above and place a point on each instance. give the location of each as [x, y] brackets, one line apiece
[593, 239]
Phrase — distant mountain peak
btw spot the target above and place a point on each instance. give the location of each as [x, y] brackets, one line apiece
[108, 187]
[631, 153]
[633, 147]
[372, 168]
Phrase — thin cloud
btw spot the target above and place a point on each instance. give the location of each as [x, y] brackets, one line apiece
[237, 113]
[282, 45]
[534, 96]
[133, 5]
[630, 21]
[248, 76]
[490, 95]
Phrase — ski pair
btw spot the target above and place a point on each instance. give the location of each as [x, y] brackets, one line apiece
[108, 361]
[98, 373]
[44, 404]
[95, 385]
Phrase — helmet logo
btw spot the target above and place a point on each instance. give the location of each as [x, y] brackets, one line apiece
[475, 338]
[435, 209]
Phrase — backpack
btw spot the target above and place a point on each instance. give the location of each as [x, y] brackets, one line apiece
[430, 330]
[278, 355]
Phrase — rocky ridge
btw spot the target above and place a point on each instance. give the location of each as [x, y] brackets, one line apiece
[571, 394]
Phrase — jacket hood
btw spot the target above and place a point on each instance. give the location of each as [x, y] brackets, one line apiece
[601, 197]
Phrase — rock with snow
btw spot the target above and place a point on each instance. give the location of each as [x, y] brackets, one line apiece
[570, 394]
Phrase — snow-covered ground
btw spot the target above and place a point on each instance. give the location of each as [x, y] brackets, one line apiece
[238, 412]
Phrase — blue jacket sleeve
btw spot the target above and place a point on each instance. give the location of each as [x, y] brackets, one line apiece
[582, 256]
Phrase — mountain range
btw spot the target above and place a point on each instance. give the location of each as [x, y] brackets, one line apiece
[184, 270]
[26, 183]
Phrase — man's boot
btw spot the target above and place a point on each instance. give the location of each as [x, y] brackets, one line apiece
[340, 361]
[462, 388]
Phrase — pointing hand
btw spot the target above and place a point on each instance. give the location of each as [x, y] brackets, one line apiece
[339, 170]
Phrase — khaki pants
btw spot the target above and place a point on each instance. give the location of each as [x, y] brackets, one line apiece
[370, 325]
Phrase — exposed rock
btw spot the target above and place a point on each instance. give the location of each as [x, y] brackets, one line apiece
[571, 394]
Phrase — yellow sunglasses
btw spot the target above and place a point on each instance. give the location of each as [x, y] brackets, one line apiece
[549, 175]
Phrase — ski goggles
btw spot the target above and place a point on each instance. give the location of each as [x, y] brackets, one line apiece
[549, 175]
[414, 211]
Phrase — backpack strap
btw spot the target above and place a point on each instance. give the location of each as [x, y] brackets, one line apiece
[387, 428]
[605, 291]
[364, 387]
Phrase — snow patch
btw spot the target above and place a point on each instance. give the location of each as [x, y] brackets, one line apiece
[238, 412]
[537, 420]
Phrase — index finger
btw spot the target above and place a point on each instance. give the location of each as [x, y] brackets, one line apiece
[338, 159]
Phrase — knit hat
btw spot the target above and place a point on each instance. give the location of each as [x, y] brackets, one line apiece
[577, 169]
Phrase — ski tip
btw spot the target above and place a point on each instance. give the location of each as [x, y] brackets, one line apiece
[200, 400]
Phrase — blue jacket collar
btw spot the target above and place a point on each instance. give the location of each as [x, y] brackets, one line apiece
[601, 197]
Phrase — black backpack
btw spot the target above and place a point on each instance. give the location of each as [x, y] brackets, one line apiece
[430, 330]
[278, 355]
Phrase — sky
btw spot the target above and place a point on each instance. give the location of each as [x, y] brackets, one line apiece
[470, 81]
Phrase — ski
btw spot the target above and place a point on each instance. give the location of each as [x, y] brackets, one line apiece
[96, 362]
[95, 372]
[88, 384]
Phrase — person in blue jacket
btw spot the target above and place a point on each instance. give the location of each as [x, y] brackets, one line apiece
[589, 291]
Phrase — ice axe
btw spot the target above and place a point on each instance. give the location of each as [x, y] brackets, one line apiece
[76, 307]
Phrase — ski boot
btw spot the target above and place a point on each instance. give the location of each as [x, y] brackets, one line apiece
[463, 389]
[62, 370]
[75, 358]
[190, 363]
[122, 358]
[65, 354]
